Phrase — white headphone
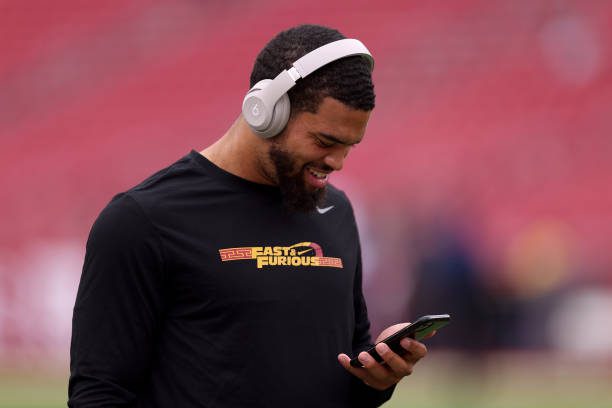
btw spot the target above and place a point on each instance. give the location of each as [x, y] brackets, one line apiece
[266, 106]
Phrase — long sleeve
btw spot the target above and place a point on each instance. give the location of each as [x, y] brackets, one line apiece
[363, 395]
[118, 308]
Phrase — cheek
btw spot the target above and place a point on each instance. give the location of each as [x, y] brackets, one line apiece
[302, 149]
[312, 160]
[310, 153]
[303, 156]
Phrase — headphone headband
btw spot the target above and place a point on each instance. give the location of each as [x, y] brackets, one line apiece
[260, 103]
[330, 53]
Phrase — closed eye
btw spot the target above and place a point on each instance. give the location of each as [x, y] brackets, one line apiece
[323, 143]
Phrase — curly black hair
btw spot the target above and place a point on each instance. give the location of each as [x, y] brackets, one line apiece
[348, 80]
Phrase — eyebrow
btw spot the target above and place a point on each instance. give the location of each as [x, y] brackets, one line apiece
[336, 140]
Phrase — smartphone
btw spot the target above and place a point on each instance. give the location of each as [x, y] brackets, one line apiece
[417, 330]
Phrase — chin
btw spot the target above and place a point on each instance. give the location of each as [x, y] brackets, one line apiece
[303, 199]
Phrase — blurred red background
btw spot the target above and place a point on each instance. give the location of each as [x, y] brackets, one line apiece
[493, 118]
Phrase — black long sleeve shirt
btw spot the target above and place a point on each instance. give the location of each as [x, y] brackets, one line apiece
[198, 290]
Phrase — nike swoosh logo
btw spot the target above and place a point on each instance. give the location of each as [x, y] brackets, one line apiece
[324, 210]
[304, 251]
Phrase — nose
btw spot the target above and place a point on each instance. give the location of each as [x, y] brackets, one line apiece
[335, 158]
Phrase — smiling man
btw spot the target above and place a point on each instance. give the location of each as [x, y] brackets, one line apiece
[232, 278]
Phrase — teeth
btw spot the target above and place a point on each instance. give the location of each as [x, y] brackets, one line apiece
[317, 174]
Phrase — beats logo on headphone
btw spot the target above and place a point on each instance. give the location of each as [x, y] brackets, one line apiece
[266, 106]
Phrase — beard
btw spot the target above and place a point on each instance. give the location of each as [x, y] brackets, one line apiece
[295, 195]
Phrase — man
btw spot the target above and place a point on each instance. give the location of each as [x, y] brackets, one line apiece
[232, 278]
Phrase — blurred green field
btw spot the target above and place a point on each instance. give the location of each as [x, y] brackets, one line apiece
[441, 380]
[23, 388]
[515, 380]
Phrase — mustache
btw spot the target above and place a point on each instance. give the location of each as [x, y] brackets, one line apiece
[322, 167]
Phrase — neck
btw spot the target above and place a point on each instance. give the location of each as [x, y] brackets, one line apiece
[238, 152]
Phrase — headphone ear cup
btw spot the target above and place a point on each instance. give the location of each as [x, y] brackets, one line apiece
[254, 112]
[280, 117]
[280, 112]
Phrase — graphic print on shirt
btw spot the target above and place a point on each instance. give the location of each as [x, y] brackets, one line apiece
[300, 254]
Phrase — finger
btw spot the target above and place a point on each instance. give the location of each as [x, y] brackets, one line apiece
[345, 361]
[415, 349]
[398, 365]
[362, 373]
[377, 375]
[372, 373]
